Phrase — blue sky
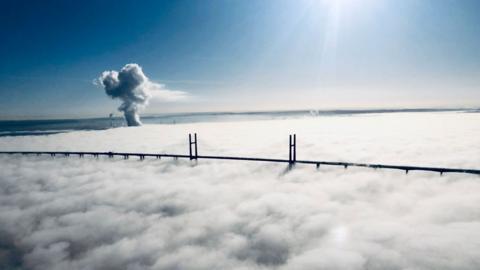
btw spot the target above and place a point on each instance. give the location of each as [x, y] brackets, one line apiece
[241, 55]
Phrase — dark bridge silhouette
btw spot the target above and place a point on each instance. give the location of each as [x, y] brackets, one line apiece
[291, 161]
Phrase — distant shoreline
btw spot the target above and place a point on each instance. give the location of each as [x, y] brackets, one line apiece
[329, 111]
[54, 126]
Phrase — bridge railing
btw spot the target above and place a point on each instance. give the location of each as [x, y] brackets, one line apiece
[291, 161]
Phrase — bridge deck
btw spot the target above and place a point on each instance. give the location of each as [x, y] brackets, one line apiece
[318, 163]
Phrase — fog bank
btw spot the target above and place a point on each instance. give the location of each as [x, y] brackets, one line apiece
[114, 214]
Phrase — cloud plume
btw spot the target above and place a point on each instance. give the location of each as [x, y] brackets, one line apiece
[135, 90]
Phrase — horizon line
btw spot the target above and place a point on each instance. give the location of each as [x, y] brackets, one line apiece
[246, 112]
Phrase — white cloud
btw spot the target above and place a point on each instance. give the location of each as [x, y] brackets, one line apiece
[135, 90]
[161, 94]
[114, 214]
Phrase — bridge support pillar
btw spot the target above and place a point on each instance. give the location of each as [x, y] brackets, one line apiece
[192, 146]
[292, 149]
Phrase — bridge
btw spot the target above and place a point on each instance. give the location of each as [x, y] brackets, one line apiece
[291, 161]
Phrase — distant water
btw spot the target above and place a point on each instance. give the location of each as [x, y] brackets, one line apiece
[46, 127]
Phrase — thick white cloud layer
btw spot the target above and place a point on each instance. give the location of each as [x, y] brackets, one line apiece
[114, 214]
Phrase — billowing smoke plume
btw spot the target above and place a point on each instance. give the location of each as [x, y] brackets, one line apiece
[135, 90]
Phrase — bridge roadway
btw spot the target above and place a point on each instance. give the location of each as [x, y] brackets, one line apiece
[317, 163]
